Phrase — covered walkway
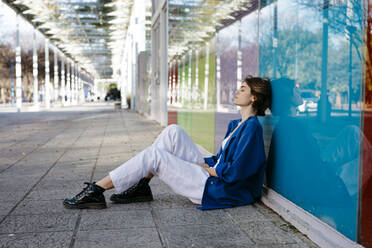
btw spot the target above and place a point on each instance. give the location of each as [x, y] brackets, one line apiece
[47, 156]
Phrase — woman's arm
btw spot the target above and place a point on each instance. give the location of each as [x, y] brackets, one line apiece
[204, 165]
[247, 158]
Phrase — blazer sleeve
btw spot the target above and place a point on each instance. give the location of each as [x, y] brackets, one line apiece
[211, 161]
[246, 159]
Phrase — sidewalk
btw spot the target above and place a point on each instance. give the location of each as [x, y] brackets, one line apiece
[47, 156]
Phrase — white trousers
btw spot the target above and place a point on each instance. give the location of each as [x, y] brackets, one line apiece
[174, 158]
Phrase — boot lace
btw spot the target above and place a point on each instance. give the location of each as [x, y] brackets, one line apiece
[84, 192]
[131, 189]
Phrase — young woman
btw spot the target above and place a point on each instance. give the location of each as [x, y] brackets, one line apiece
[233, 177]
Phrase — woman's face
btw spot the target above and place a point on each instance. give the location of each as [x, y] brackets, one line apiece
[243, 96]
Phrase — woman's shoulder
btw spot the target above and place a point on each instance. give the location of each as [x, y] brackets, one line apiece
[252, 124]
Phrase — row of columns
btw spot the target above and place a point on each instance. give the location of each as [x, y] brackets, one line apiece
[72, 86]
[174, 91]
[181, 90]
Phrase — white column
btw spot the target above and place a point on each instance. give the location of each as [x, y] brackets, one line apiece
[76, 83]
[163, 67]
[63, 91]
[71, 78]
[68, 83]
[56, 88]
[72, 86]
[196, 86]
[35, 73]
[183, 89]
[81, 86]
[174, 90]
[78, 88]
[218, 78]
[123, 88]
[18, 69]
[178, 87]
[206, 76]
[239, 71]
[169, 92]
[47, 76]
[189, 78]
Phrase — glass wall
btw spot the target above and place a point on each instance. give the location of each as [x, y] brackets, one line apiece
[191, 93]
[317, 133]
[316, 66]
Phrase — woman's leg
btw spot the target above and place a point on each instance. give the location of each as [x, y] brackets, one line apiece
[176, 141]
[183, 177]
[105, 183]
[173, 157]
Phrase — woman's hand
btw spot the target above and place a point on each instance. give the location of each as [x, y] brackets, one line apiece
[204, 165]
[211, 171]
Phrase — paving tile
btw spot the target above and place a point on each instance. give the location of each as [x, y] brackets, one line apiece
[283, 245]
[161, 188]
[188, 216]
[50, 183]
[113, 161]
[32, 207]
[13, 195]
[116, 220]
[17, 182]
[7, 161]
[245, 214]
[38, 223]
[52, 194]
[122, 238]
[120, 207]
[265, 232]
[205, 236]
[70, 174]
[6, 206]
[29, 170]
[171, 201]
[36, 240]
[76, 160]
[106, 168]
[268, 213]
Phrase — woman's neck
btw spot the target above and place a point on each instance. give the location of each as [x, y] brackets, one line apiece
[246, 112]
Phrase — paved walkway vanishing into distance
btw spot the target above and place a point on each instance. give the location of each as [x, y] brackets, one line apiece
[46, 156]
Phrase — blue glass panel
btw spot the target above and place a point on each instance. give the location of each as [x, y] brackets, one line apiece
[313, 54]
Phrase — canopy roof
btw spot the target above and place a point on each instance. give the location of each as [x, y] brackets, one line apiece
[91, 32]
[193, 22]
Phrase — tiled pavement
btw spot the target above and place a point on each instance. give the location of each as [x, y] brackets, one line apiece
[46, 156]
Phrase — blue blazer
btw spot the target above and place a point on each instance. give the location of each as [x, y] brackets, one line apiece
[241, 168]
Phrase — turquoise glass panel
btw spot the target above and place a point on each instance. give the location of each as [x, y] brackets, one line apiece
[313, 53]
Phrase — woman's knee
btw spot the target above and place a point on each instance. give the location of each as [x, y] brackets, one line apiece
[172, 128]
[175, 128]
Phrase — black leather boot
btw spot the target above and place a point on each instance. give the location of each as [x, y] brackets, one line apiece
[91, 197]
[140, 192]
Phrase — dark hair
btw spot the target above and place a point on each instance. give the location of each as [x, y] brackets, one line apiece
[261, 89]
